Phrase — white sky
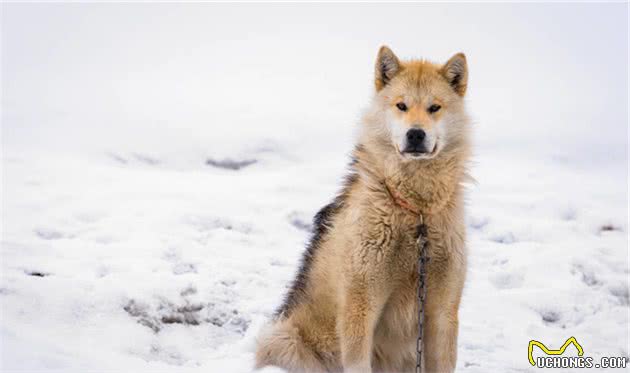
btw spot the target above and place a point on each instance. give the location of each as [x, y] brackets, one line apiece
[553, 77]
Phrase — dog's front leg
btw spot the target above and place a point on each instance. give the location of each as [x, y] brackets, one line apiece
[361, 307]
[442, 322]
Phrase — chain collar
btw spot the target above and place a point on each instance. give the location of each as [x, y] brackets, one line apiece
[422, 241]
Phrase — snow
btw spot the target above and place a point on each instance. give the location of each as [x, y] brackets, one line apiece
[161, 165]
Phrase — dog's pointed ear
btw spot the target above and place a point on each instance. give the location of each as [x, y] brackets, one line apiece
[456, 73]
[387, 66]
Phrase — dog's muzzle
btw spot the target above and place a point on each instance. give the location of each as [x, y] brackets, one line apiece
[415, 141]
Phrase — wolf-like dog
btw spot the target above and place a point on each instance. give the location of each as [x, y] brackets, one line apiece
[353, 305]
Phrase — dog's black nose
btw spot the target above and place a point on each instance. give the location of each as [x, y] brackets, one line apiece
[415, 136]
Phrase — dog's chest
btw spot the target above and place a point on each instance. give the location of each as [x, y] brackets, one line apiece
[400, 314]
[399, 317]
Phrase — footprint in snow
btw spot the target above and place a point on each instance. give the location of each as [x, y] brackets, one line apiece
[587, 275]
[172, 254]
[230, 164]
[506, 238]
[278, 262]
[102, 271]
[48, 234]
[158, 316]
[609, 228]
[37, 273]
[183, 268]
[507, 280]
[622, 294]
[167, 355]
[209, 223]
[142, 158]
[146, 159]
[569, 214]
[299, 221]
[550, 317]
[470, 364]
[190, 290]
[228, 283]
[478, 222]
[118, 158]
[500, 261]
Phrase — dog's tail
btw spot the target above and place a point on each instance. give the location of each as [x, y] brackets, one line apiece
[279, 344]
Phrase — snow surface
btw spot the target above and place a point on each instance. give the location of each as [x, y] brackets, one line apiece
[161, 165]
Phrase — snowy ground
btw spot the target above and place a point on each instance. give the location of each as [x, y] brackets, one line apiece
[152, 224]
[123, 262]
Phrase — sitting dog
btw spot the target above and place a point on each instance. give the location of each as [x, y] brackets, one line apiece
[353, 306]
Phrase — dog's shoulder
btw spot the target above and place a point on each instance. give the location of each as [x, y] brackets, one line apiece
[323, 223]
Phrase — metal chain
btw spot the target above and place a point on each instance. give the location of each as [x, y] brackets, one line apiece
[422, 242]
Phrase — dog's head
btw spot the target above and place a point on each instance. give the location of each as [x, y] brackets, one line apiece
[418, 108]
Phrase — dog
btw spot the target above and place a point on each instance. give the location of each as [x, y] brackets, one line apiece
[353, 305]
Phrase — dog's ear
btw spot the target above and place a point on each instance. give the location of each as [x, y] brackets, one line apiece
[387, 66]
[456, 73]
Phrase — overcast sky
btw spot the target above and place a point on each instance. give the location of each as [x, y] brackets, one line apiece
[551, 75]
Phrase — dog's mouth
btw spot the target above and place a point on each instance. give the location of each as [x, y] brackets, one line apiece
[420, 153]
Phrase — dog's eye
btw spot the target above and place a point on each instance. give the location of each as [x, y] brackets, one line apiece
[401, 106]
[434, 108]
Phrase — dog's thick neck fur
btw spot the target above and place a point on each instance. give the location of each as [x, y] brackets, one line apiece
[428, 185]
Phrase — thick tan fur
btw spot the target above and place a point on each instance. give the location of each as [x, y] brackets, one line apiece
[356, 308]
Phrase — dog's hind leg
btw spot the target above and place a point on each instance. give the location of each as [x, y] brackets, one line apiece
[280, 345]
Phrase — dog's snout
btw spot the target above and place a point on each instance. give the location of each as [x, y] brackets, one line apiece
[415, 141]
[415, 136]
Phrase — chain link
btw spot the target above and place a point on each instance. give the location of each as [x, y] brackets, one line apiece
[422, 243]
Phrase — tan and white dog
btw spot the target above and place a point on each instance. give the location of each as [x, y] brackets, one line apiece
[353, 304]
